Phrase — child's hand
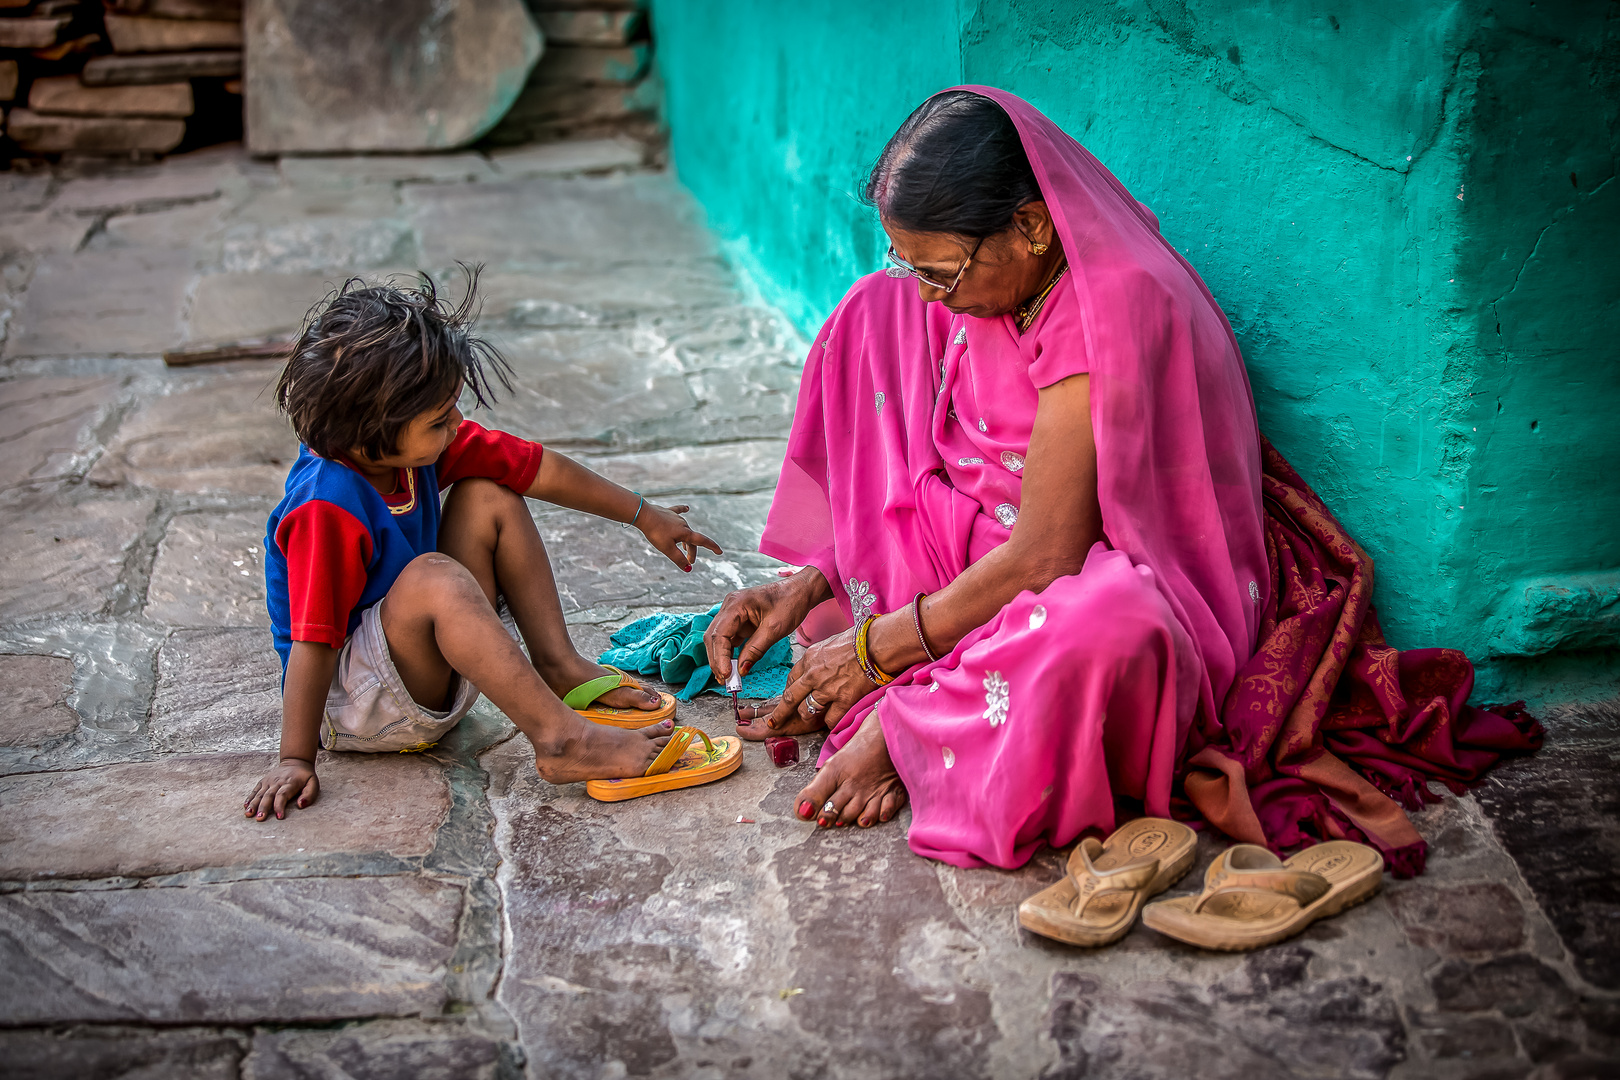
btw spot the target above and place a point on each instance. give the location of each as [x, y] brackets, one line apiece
[289, 779]
[667, 531]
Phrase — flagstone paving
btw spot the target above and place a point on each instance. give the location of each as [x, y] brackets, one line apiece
[450, 914]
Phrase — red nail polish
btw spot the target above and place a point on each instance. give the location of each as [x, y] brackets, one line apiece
[804, 809]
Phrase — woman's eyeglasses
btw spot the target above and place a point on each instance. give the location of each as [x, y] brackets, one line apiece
[901, 269]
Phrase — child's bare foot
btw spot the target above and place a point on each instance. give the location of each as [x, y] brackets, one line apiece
[596, 752]
[579, 671]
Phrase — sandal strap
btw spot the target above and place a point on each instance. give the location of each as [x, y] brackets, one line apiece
[586, 692]
[1272, 878]
[1091, 883]
[679, 741]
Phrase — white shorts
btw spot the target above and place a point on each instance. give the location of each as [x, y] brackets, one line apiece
[368, 707]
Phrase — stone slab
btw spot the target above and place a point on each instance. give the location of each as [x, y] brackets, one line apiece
[589, 27]
[329, 77]
[217, 690]
[31, 32]
[182, 178]
[113, 136]
[301, 230]
[541, 104]
[385, 1050]
[1458, 920]
[586, 296]
[591, 65]
[38, 232]
[1554, 813]
[209, 571]
[215, 431]
[181, 9]
[143, 819]
[229, 308]
[267, 950]
[386, 169]
[733, 468]
[145, 68]
[148, 34]
[8, 79]
[65, 95]
[62, 558]
[599, 565]
[104, 303]
[196, 228]
[121, 1053]
[541, 221]
[33, 699]
[48, 425]
[568, 158]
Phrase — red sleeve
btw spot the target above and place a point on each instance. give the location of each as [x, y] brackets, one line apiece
[494, 455]
[327, 549]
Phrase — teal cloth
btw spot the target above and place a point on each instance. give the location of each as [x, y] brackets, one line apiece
[670, 646]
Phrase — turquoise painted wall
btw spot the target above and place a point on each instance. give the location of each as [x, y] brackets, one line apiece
[1406, 208]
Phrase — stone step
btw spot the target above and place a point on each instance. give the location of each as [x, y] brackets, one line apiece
[144, 34]
[92, 135]
[147, 68]
[8, 79]
[31, 32]
[588, 27]
[65, 95]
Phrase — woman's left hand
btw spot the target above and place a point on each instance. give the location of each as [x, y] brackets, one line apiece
[824, 685]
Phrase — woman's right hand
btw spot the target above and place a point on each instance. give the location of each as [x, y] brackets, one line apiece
[758, 618]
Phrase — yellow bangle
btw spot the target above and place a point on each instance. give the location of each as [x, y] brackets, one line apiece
[863, 655]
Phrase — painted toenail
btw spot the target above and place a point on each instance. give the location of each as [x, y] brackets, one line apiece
[805, 808]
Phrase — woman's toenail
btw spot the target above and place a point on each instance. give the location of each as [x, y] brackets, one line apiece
[804, 809]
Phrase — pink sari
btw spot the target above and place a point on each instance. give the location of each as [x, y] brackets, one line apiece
[904, 467]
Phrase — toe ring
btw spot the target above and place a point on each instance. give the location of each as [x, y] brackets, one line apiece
[828, 807]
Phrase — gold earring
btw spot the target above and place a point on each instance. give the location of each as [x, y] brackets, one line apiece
[1038, 249]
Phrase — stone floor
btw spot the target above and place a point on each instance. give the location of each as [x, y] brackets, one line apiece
[449, 914]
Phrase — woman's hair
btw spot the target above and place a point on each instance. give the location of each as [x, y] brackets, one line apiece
[955, 166]
[373, 357]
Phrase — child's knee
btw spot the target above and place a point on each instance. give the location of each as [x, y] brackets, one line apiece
[437, 580]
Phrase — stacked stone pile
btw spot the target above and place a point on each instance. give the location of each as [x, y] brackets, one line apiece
[134, 78]
[592, 81]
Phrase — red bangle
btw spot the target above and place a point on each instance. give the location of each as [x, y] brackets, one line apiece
[916, 620]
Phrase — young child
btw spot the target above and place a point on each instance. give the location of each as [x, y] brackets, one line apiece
[383, 606]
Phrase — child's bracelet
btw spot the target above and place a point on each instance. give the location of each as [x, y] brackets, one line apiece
[639, 503]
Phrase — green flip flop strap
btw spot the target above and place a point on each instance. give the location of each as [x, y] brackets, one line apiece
[586, 692]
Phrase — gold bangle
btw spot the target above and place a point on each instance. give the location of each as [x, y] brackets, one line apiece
[863, 655]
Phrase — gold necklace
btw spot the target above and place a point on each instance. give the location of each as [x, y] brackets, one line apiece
[1027, 311]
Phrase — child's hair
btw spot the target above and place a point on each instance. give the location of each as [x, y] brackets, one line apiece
[372, 357]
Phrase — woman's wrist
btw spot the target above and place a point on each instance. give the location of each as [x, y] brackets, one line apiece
[892, 642]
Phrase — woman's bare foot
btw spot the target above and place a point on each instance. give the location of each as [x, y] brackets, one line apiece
[597, 752]
[564, 677]
[753, 723]
[859, 781]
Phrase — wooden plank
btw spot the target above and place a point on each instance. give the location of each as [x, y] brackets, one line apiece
[144, 34]
[590, 65]
[588, 27]
[220, 10]
[65, 95]
[31, 32]
[192, 355]
[93, 135]
[8, 79]
[146, 68]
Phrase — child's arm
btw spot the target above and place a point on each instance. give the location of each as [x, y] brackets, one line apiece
[303, 703]
[566, 482]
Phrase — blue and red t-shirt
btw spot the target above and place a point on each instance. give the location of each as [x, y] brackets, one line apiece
[335, 545]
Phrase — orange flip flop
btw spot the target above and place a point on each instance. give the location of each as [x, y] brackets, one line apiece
[581, 697]
[678, 766]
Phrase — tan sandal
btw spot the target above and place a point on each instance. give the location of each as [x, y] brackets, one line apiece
[1109, 881]
[1252, 898]
[676, 766]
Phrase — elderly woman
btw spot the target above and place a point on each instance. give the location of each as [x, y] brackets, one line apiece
[1031, 482]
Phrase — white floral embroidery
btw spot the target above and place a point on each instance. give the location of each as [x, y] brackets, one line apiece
[970, 461]
[1007, 514]
[861, 599]
[877, 400]
[1037, 617]
[949, 755]
[961, 337]
[996, 693]
[1012, 462]
[982, 425]
[1254, 592]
